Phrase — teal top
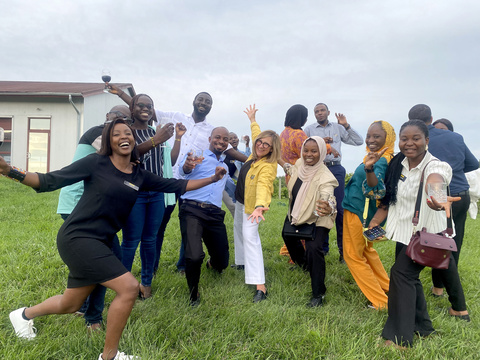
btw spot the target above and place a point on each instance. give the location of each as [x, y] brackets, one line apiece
[357, 189]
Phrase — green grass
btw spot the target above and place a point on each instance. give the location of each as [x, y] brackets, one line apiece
[227, 325]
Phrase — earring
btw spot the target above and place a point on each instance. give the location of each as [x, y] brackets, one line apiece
[426, 147]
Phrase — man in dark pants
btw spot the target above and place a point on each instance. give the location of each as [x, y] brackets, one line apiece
[334, 134]
[449, 146]
[201, 215]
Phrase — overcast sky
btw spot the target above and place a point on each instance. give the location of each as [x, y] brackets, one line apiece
[370, 59]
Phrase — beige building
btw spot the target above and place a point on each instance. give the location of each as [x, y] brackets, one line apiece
[43, 121]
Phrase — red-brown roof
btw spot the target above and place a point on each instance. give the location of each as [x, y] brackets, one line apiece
[55, 88]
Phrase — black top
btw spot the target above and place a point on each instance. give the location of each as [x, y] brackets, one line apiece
[240, 189]
[296, 187]
[230, 162]
[153, 159]
[108, 197]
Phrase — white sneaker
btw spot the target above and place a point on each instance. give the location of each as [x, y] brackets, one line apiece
[23, 328]
[121, 356]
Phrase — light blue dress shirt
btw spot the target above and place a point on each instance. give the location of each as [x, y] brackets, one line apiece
[210, 194]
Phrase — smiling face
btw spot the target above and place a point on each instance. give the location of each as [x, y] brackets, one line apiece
[321, 113]
[233, 140]
[122, 140]
[143, 109]
[218, 140]
[202, 104]
[376, 137]
[263, 146]
[413, 143]
[311, 153]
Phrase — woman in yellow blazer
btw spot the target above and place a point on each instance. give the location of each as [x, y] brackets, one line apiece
[253, 195]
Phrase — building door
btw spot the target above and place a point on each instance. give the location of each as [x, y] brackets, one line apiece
[6, 145]
[38, 156]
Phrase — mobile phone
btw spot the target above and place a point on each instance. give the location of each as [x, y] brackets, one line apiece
[374, 233]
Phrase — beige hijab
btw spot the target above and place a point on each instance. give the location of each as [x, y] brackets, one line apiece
[306, 173]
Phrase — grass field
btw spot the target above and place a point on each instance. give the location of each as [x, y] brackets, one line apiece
[226, 325]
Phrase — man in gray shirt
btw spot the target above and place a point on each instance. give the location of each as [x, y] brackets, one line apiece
[334, 134]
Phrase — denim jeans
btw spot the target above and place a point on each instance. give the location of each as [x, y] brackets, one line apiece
[142, 226]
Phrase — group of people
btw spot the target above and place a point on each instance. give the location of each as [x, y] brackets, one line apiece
[129, 175]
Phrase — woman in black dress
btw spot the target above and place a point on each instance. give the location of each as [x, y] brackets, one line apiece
[112, 181]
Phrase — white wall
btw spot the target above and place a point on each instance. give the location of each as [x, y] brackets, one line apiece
[63, 131]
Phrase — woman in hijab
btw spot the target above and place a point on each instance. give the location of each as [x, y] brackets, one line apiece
[309, 177]
[291, 139]
[367, 184]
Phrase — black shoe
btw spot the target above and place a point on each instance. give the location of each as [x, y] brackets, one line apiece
[238, 267]
[316, 301]
[259, 296]
[194, 302]
[341, 260]
[435, 295]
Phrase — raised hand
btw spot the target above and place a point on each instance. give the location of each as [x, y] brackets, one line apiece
[4, 167]
[180, 130]
[373, 157]
[164, 132]
[341, 119]
[219, 173]
[251, 111]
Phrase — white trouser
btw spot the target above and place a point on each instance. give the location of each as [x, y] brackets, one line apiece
[248, 247]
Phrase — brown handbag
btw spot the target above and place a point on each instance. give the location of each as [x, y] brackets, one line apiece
[432, 250]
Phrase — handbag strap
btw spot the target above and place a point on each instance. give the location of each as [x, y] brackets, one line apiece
[365, 212]
[419, 201]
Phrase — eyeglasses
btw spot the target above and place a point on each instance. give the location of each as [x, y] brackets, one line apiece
[262, 144]
[142, 105]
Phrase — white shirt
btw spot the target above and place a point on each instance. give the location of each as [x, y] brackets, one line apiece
[399, 221]
[196, 136]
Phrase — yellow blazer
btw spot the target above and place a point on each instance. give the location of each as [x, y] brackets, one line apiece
[259, 179]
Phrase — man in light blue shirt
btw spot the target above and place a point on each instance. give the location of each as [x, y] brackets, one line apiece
[334, 134]
[201, 215]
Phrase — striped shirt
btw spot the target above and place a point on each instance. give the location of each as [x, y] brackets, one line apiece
[152, 160]
[399, 221]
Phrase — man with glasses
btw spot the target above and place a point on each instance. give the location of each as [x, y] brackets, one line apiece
[89, 143]
[334, 134]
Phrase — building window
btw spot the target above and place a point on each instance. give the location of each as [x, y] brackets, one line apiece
[38, 159]
[6, 145]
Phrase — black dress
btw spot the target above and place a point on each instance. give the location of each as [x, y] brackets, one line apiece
[85, 239]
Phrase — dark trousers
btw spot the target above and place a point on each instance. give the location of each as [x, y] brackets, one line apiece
[93, 306]
[407, 308]
[459, 215]
[339, 172]
[311, 258]
[197, 223]
[161, 234]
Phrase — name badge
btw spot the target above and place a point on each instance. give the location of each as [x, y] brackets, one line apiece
[403, 177]
[130, 185]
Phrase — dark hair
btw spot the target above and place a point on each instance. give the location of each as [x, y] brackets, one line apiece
[202, 92]
[420, 112]
[296, 116]
[135, 101]
[394, 170]
[321, 104]
[106, 147]
[445, 122]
